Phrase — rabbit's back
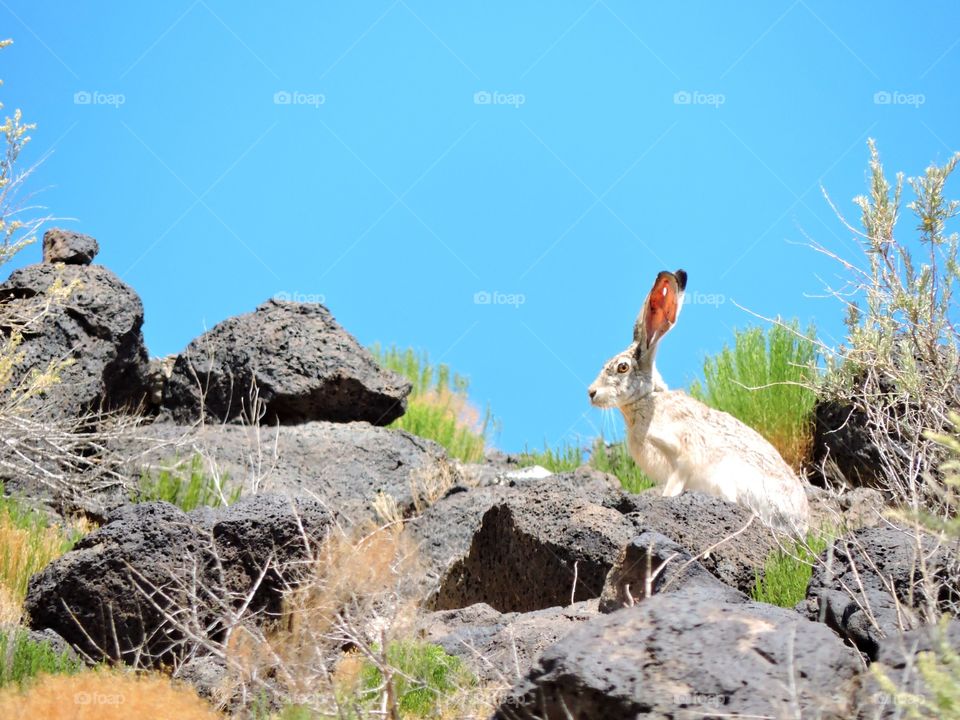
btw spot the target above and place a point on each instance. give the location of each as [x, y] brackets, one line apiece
[713, 452]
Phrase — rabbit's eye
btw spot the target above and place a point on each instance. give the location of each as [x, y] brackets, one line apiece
[622, 367]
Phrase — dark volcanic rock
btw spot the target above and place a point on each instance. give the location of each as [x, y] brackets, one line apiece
[97, 327]
[343, 465]
[842, 441]
[67, 246]
[651, 564]
[690, 654]
[872, 583]
[534, 546]
[501, 647]
[207, 674]
[300, 362]
[897, 662]
[700, 522]
[444, 531]
[141, 586]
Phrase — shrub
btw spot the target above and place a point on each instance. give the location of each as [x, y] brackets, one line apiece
[421, 675]
[438, 407]
[22, 658]
[939, 668]
[16, 231]
[766, 381]
[186, 491]
[28, 543]
[787, 572]
[899, 367]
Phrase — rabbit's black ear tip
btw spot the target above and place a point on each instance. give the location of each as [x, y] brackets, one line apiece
[681, 276]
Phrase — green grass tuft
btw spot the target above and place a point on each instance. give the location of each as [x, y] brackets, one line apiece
[786, 574]
[765, 381]
[438, 407]
[22, 658]
[616, 460]
[423, 674]
[565, 458]
[187, 488]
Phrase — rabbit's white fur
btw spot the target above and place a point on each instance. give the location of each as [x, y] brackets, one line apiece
[682, 444]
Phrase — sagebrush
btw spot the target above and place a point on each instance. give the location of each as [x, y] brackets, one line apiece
[897, 373]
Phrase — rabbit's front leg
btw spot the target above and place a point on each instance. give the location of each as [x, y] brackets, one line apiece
[674, 485]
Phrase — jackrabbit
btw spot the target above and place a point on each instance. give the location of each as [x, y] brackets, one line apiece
[679, 442]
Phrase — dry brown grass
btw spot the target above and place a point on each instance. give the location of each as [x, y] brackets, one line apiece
[26, 547]
[362, 588]
[429, 484]
[103, 695]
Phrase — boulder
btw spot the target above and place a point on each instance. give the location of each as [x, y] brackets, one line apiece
[69, 247]
[690, 653]
[878, 582]
[297, 362]
[738, 546]
[549, 543]
[501, 648]
[97, 327]
[154, 581]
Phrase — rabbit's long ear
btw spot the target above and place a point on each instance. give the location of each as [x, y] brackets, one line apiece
[660, 310]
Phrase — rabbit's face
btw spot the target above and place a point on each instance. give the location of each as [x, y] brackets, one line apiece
[622, 381]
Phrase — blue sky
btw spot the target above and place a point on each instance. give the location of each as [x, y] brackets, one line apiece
[405, 160]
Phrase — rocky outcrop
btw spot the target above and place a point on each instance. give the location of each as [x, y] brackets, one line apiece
[294, 359]
[877, 582]
[96, 328]
[68, 247]
[147, 584]
[571, 527]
